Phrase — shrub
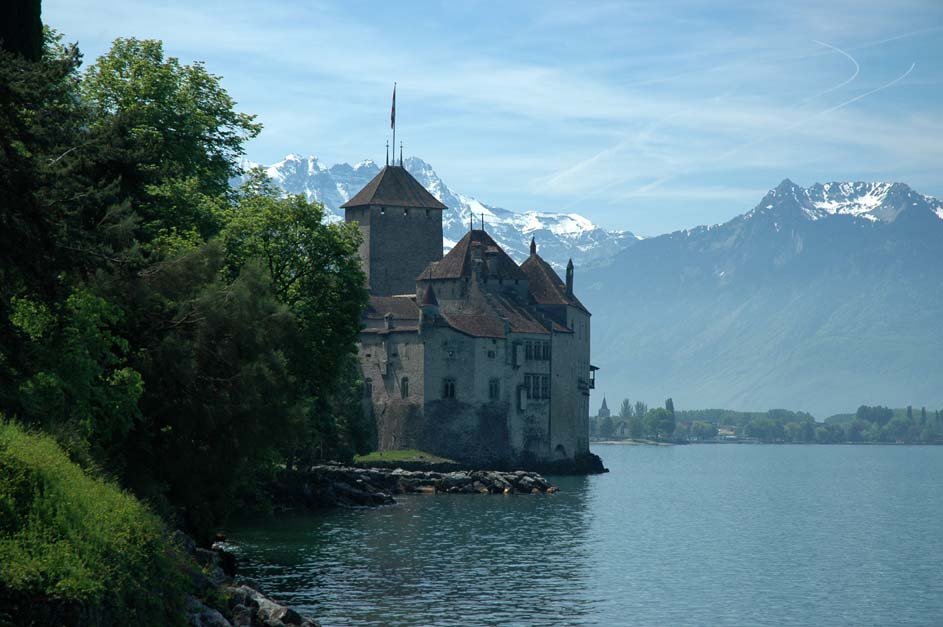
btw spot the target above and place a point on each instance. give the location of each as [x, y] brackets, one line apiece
[76, 550]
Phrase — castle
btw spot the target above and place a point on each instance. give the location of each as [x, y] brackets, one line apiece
[469, 356]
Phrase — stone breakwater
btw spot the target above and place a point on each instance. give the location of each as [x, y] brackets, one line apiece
[330, 485]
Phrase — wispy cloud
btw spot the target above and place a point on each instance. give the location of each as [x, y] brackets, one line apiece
[599, 107]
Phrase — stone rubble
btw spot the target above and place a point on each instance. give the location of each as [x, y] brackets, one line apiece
[354, 486]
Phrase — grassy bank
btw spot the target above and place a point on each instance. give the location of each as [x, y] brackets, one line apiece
[78, 550]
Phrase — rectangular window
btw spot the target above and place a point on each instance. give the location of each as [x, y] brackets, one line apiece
[491, 354]
[545, 386]
[494, 389]
[528, 350]
[546, 351]
[527, 385]
[448, 388]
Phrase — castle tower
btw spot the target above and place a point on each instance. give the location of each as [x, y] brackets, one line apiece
[401, 226]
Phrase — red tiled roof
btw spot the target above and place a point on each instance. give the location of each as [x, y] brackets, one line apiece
[396, 187]
[483, 314]
[458, 263]
[545, 285]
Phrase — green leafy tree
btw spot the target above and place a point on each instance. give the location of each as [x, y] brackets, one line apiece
[659, 423]
[608, 427]
[178, 135]
[625, 411]
[640, 409]
[703, 430]
[315, 271]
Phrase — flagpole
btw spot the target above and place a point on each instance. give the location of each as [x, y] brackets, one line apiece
[393, 122]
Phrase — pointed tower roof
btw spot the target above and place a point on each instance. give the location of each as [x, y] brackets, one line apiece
[458, 262]
[545, 284]
[394, 186]
[604, 404]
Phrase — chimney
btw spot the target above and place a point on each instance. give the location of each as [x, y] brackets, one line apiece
[569, 278]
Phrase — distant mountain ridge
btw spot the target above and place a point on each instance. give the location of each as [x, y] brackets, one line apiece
[561, 236]
[819, 298]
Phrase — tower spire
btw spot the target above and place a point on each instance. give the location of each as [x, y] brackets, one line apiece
[393, 123]
[387, 152]
[401, 153]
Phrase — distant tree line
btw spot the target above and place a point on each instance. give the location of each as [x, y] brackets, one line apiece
[867, 424]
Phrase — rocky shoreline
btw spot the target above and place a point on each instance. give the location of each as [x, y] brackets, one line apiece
[330, 485]
[226, 601]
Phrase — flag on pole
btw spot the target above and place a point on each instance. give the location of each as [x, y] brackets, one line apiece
[393, 110]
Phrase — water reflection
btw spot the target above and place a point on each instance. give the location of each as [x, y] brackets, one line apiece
[443, 560]
[693, 535]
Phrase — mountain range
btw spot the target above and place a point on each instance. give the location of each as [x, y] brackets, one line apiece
[561, 235]
[820, 298]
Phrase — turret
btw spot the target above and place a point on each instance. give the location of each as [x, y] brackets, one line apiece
[569, 278]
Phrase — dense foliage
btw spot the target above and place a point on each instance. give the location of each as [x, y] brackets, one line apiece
[181, 336]
[74, 546]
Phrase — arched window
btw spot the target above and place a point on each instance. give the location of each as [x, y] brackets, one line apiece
[448, 387]
[368, 388]
[404, 387]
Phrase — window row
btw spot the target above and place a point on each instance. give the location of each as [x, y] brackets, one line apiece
[403, 388]
[537, 386]
[405, 212]
[536, 350]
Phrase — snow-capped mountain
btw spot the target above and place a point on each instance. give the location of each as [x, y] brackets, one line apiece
[821, 298]
[876, 202]
[560, 236]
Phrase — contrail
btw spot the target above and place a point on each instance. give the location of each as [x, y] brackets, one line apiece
[658, 182]
[853, 76]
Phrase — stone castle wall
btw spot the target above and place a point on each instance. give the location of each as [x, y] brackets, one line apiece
[398, 244]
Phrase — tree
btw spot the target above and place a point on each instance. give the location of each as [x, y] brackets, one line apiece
[703, 430]
[625, 411]
[640, 409]
[315, 271]
[608, 427]
[636, 427]
[177, 130]
[670, 407]
[659, 423]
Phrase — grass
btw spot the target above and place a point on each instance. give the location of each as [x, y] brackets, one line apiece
[405, 455]
[72, 544]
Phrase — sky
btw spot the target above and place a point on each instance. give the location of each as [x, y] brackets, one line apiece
[646, 116]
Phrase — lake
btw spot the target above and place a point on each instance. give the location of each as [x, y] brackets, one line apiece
[675, 535]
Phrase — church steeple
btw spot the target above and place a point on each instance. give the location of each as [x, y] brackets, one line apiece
[533, 246]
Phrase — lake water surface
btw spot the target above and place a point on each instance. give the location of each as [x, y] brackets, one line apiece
[682, 535]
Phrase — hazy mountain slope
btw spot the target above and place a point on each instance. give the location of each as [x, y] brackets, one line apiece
[818, 299]
[560, 235]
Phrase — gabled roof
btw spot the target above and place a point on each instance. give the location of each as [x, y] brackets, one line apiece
[484, 315]
[458, 263]
[394, 186]
[402, 308]
[545, 285]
